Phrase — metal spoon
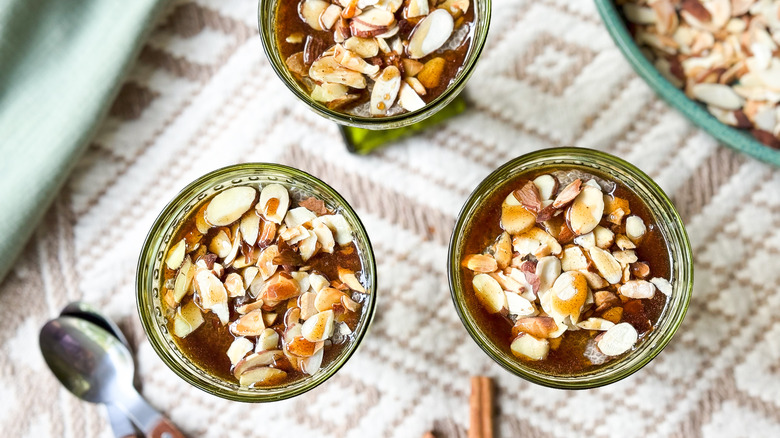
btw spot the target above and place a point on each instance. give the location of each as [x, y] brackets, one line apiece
[120, 424]
[96, 367]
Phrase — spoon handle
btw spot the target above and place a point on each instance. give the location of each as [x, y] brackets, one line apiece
[151, 422]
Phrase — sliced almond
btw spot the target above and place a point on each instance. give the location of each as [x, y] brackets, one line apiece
[385, 90]
[573, 259]
[489, 293]
[595, 281]
[639, 14]
[585, 212]
[274, 202]
[318, 282]
[363, 30]
[238, 349]
[311, 10]
[517, 305]
[516, 219]
[235, 285]
[176, 255]
[568, 194]
[528, 347]
[308, 247]
[608, 267]
[312, 364]
[329, 17]
[596, 324]
[416, 85]
[188, 318]
[324, 300]
[480, 263]
[229, 205]
[265, 263]
[262, 376]
[299, 216]
[529, 197]
[251, 324]
[625, 257]
[248, 307]
[220, 244]
[618, 339]
[569, 293]
[536, 241]
[503, 250]
[408, 99]
[250, 227]
[281, 286]
[353, 61]
[604, 300]
[538, 326]
[234, 247]
[328, 92]
[624, 242]
[635, 228]
[268, 340]
[430, 34]
[547, 186]
[376, 17]
[719, 95]
[301, 347]
[255, 360]
[586, 241]
[319, 327]
[328, 69]
[183, 283]
[663, 285]
[548, 269]
[604, 237]
[363, 47]
[638, 289]
[417, 8]
[213, 295]
[457, 8]
[615, 208]
[338, 225]
[348, 277]
[201, 223]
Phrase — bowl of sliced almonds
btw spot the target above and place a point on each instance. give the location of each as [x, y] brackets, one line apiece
[570, 268]
[256, 283]
[374, 64]
[716, 61]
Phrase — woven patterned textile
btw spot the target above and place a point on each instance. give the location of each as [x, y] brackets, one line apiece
[202, 95]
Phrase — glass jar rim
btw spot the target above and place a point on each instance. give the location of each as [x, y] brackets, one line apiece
[264, 13]
[677, 241]
[151, 254]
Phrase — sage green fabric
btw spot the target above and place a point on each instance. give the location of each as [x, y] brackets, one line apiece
[61, 63]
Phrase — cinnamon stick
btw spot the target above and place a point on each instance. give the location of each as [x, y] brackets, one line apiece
[481, 408]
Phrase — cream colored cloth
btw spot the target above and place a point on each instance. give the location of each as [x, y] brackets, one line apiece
[202, 95]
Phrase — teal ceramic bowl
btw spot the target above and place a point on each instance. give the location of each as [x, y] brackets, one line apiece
[696, 112]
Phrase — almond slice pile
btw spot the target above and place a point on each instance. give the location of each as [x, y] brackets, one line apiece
[245, 261]
[386, 52]
[567, 261]
[723, 53]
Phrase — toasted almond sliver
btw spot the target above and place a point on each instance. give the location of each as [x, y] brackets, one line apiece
[618, 339]
[408, 99]
[516, 219]
[319, 327]
[608, 267]
[480, 263]
[273, 203]
[251, 324]
[229, 205]
[312, 364]
[625, 257]
[235, 285]
[530, 347]
[568, 194]
[537, 326]
[595, 324]
[503, 250]
[624, 242]
[638, 289]
[188, 318]
[430, 34]
[417, 8]
[548, 269]
[329, 17]
[308, 247]
[348, 277]
[183, 282]
[176, 255]
[220, 244]
[263, 376]
[259, 359]
[585, 212]
[569, 293]
[311, 10]
[573, 259]
[250, 227]
[238, 349]
[385, 90]
[338, 225]
[547, 186]
[376, 17]
[663, 285]
[324, 300]
[635, 228]
[517, 305]
[233, 253]
[489, 293]
[268, 340]
[213, 295]
[604, 237]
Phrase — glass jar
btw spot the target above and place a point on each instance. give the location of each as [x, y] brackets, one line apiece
[664, 216]
[149, 276]
[267, 21]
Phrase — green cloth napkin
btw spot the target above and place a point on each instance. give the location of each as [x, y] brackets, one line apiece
[61, 64]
